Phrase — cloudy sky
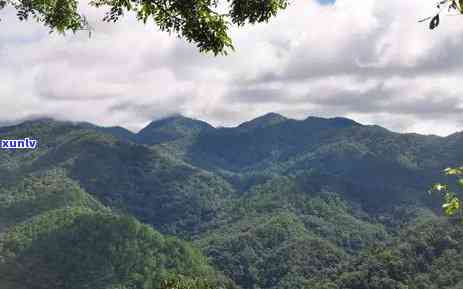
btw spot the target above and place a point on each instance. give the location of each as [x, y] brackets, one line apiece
[369, 60]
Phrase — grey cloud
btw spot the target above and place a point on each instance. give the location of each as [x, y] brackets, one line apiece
[150, 110]
[358, 58]
[256, 95]
[142, 111]
[434, 105]
[381, 100]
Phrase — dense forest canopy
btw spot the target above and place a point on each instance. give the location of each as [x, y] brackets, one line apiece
[314, 203]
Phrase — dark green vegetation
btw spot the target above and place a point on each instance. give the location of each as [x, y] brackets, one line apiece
[273, 203]
[55, 235]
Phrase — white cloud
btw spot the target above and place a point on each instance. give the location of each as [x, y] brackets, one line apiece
[371, 61]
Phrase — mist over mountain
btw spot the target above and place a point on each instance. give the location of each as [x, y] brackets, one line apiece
[271, 203]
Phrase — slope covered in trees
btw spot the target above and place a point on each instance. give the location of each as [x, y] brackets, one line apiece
[53, 234]
[427, 255]
[273, 203]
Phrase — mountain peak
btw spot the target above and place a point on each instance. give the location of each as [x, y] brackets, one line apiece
[343, 121]
[338, 122]
[173, 119]
[265, 120]
[171, 128]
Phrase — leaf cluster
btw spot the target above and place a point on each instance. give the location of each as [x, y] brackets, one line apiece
[452, 203]
[197, 21]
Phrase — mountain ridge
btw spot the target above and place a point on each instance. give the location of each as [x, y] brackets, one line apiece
[270, 116]
[338, 147]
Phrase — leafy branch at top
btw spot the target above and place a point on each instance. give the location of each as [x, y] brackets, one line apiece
[197, 21]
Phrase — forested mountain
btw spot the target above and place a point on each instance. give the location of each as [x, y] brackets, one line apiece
[170, 129]
[56, 235]
[272, 203]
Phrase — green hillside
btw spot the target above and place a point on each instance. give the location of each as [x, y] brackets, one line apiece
[171, 129]
[80, 248]
[53, 234]
[383, 163]
[272, 203]
[424, 256]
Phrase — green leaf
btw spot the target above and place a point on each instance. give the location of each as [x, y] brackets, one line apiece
[452, 207]
[434, 22]
[460, 183]
[454, 171]
[439, 188]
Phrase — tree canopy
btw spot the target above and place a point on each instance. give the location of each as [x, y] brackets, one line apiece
[274, 203]
[197, 21]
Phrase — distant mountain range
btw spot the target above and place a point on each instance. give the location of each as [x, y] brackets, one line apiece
[273, 203]
[370, 157]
